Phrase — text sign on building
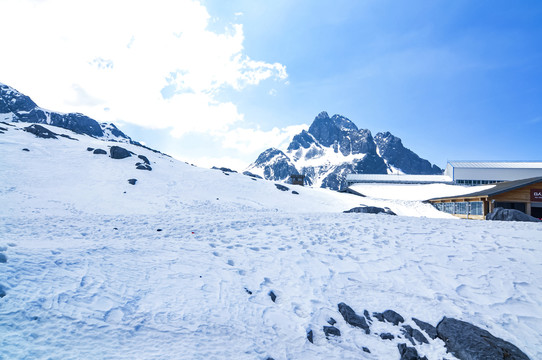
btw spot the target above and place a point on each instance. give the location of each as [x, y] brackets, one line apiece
[536, 195]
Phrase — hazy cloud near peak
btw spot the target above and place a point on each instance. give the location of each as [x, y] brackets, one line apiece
[125, 52]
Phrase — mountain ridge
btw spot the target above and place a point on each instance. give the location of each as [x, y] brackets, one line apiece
[333, 147]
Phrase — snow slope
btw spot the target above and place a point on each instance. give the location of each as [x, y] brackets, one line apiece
[180, 265]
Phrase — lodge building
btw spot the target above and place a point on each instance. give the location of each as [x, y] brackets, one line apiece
[524, 195]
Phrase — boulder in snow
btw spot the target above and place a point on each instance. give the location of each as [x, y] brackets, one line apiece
[352, 318]
[144, 158]
[282, 187]
[331, 330]
[40, 131]
[99, 152]
[510, 215]
[370, 210]
[389, 316]
[466, 341]
[118, 152]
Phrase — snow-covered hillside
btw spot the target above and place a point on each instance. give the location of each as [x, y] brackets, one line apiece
[193, 263]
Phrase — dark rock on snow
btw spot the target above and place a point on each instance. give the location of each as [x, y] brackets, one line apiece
[310, 336]
[25, 149]
[99, 152]
[366, 350]
[132, 181]
[352, 318]
[144, 158]
[370, 210]
[295, 192]
[389, 316]
[413, 334]
[272, 296]
[466, 341]
[510, 215]
[40, 131]
[428, 328]
[409, 353]
[141, 166]
[387, 336]
[331, 330]
[90, 149]
[224, 169]
[331, 321]
[248, 173]
[367, 316]
[2, 291]
[117, 152]
[3, 258]
[282, 187]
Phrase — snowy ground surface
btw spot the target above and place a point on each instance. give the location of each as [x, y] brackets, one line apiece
[88, 274]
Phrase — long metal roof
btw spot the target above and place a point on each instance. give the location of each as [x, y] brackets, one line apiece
[398, 178]
[497, 189]
[497, 164]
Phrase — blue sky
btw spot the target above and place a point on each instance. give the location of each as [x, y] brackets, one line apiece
[453, 79]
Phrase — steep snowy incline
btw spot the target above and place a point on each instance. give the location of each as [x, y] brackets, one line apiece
[60, 175]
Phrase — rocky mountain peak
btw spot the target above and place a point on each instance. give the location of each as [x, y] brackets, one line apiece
[334, 147]
[15, 106]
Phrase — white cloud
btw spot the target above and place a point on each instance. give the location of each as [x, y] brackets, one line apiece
[88, 56]
[249, 141]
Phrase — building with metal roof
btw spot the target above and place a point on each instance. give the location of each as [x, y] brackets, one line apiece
[397, 179]
[524, 195]
[488, 172]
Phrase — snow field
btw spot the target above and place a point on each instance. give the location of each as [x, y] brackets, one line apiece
[88, 274]
[77, 288]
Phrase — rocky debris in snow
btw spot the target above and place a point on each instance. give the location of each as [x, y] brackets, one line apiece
[8, 124]
[25, 149]
[225, 173]
[142, 166]
[428, 328]
[370, 210]
[282, 187]
[366, 350]
[99, 152]
[413, 334]
[3, 258]
[352, 318]
[2, 291]
[223, 169]
[387, 336]
[2, 129]
[367, 316]
[310, 336]
[132, 181]
[144, 158]
[466, 341]
[40, 131]
[410, 353]
[248, 291]
[502, 214]
[118, 152]
[389, 316]
[331, 321]
[331, 330]
[295, 192]
[90, 149]
[272, 296]
[68, 137]
[248, 173]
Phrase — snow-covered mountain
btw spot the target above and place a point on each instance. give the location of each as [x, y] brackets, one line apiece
[17, 107]
[333, 147]
[111, 250]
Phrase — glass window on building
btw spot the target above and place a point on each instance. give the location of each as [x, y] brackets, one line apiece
[477, 208]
